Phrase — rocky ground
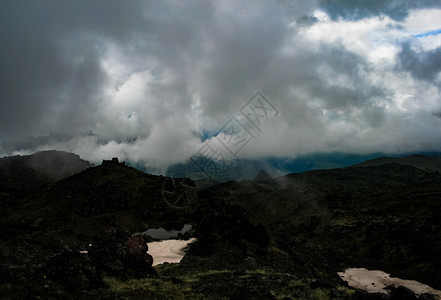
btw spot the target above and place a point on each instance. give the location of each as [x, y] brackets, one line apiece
[272, 239]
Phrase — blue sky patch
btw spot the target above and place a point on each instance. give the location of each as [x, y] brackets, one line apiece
[433, 32]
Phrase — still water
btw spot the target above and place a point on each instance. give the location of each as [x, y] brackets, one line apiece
[171, 251]
[375, 281]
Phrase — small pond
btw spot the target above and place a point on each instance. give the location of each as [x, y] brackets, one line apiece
[170, 251]
[375, 281]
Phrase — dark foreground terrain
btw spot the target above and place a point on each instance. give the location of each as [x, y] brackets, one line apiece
[283, 238]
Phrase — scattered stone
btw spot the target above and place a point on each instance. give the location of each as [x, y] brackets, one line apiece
[74, 271]
[321, 284]
[402, 293]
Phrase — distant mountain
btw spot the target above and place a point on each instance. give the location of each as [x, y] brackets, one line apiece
[238, 169]
[27, 171]
[262, 176]
[425, 163]
[354, 216]
[246, 169]
[333, 160]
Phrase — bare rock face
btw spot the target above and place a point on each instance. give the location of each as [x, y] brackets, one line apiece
[139, 247]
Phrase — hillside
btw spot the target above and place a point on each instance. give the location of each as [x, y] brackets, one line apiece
[256, 239]
[97, 211]
[28, 171]
[425, 163]
[382, 216]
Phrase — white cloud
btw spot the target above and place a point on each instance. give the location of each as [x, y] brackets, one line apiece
[374, 38]
[429, 43]
[422, 21]
[147, 84]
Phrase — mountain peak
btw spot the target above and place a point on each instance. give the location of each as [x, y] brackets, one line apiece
[39, 168]
[262, 176]
[113, 161]
[422, 162]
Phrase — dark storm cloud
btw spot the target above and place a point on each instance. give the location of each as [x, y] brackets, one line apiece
[425, 65]
[359, 9]
[52, 50]
[302, 82]
[34, 142]
[56, 58]
[49, 72]
[239, 58]
[341, 61]
[143, 80]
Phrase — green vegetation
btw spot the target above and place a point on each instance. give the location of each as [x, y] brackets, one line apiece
[262, 239]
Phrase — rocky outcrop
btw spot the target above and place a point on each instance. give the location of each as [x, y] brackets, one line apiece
[124, 256]
[139, 248]
[73, 270]
[77, 271]
[228, 226]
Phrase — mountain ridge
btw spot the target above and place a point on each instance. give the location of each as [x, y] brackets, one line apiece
[30, 171]
[423, 162]
[287, 237]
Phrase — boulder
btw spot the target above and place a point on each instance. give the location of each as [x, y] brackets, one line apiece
[137, 244]
[402, 293]
[73, 270]
[139, 247]
[125, 260]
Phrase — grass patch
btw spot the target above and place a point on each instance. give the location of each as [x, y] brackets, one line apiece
[151, 287]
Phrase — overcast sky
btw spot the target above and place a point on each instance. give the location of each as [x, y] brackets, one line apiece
[148, 81]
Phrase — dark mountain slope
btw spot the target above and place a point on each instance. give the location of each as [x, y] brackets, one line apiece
[305, 227]
[97, 211]
[426, 163]
[262, 176]
[113, 194]
[29, 171]
[384, 217]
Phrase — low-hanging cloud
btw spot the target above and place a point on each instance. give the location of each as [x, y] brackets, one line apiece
[145, 81]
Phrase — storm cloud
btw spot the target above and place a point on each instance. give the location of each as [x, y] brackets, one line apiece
[425, 65]
[147, 80]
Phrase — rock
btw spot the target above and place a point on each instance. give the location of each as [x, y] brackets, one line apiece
[321, 284]
[5, 276]
[337, 294]
[402, 293]
[361, 295]
[137, 244]
[139, 247]
[73, 270]
[426, 296]
[124, 260]
[228, 227]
